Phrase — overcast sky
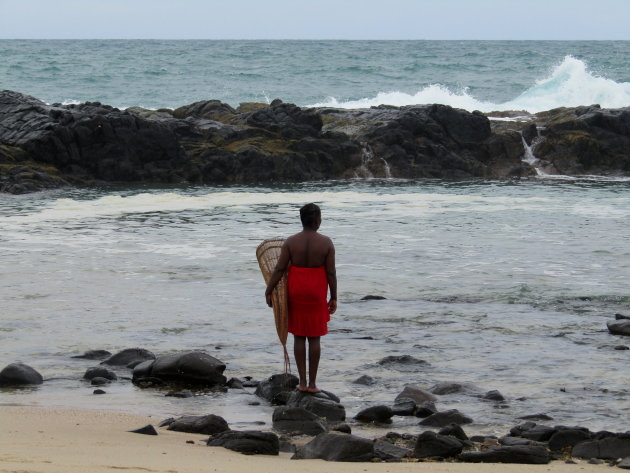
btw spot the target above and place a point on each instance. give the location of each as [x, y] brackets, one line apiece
[316, 19]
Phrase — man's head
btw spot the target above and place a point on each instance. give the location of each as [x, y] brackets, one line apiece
[311, 216]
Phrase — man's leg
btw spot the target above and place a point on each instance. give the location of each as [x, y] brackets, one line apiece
[299, 351]
[314, 350]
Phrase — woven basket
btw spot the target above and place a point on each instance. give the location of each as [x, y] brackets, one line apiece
[268, 253]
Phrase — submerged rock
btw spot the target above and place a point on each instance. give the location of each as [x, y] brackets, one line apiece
[99, 372]
[94, 355]
[129, 355]
[417, 394]
[619, 327]
[19, 374]
[375, 414]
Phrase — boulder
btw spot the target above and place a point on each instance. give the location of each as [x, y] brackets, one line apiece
[94, 355]
[494, 395]
[248, 442]
[608, 448]
[208, 424]
[625, 463]
[375, 414]
[129, 355]
[619, 327]
[100, 372]
[296, 420]
[454, 430]
[187, 368]
[426, 409]
[404, 407]
[417, 394]
[334, 446]
[278, 383]
[444, 418]
[323, 404]
[568, 437]
[19, 374]
[403, 362]
[388, 451]
[430, 445]
[531, 455]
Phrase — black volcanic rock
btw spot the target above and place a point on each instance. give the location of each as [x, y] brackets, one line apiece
[19, 374]
[187, 368]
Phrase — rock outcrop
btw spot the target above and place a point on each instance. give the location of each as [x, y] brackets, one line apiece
[47, 146]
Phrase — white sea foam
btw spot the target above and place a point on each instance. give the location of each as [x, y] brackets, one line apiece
[569, 84]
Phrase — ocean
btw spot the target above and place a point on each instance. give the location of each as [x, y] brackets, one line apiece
[503, 285]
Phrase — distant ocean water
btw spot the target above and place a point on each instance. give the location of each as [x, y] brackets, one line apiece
[482, 75]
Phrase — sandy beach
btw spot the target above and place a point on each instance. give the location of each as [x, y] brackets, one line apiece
[38, 440]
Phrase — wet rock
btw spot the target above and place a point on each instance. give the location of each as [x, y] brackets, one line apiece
[166, 422]
[388, 451]
[454, 430]
[365, 380]
[451, 388]
[248, 442]
[622, 317]
[540, 416]
[619, 327]
[99, 391]
[339, 447]
[516, 441]
[403, 362]
[19, 374]
[608, 448]
[100, 372]
[621, 347]
[276, 384]
[404, 407]
[375, 414]
[296, 420]
[208, 424]
[444, 418]
[98, 381]
[568, 437]
[417, 394]
[94, 355]
[184, 394]
[187, 368]
[539, 433]
[234, 383]
[146, 430]
[430, 444]
[426, 409]
[531, 455]
[322, 404]
[129, 355]
[344, 428]
[494, 395]
[370, 297]
[625, 463]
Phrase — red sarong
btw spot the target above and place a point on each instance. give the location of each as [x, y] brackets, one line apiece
[308, 308]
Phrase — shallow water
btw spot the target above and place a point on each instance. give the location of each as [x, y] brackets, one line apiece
[505, 285]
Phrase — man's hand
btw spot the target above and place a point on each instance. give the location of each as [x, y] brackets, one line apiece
[332, 306]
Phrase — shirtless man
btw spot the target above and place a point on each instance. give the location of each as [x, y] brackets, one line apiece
[309, 258]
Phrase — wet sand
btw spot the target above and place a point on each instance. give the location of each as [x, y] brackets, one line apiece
[39, 440]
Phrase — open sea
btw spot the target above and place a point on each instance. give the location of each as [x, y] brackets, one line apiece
[503, 285]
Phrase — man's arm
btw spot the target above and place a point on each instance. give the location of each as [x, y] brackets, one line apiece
[278, 272]
[331, 273]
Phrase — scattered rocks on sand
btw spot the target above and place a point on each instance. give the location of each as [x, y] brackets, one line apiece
[532, 455]
[188, 368]
[444, 418]
[248, 442]
[19, 374]
[129, 355]
[208, 424]
[334, 446]
[296, 420]
[146, 430]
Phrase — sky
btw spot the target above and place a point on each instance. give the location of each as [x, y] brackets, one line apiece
[316, 19]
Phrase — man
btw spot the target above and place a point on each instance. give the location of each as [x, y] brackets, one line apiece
[309, 258]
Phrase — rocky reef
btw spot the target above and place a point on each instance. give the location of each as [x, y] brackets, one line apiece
[47, 146]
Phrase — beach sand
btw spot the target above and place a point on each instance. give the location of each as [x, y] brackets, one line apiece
[38, 440]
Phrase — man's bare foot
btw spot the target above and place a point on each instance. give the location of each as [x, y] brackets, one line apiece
[313, 390]
[302, 388]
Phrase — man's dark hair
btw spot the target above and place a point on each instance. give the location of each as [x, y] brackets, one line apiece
[309, 214]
